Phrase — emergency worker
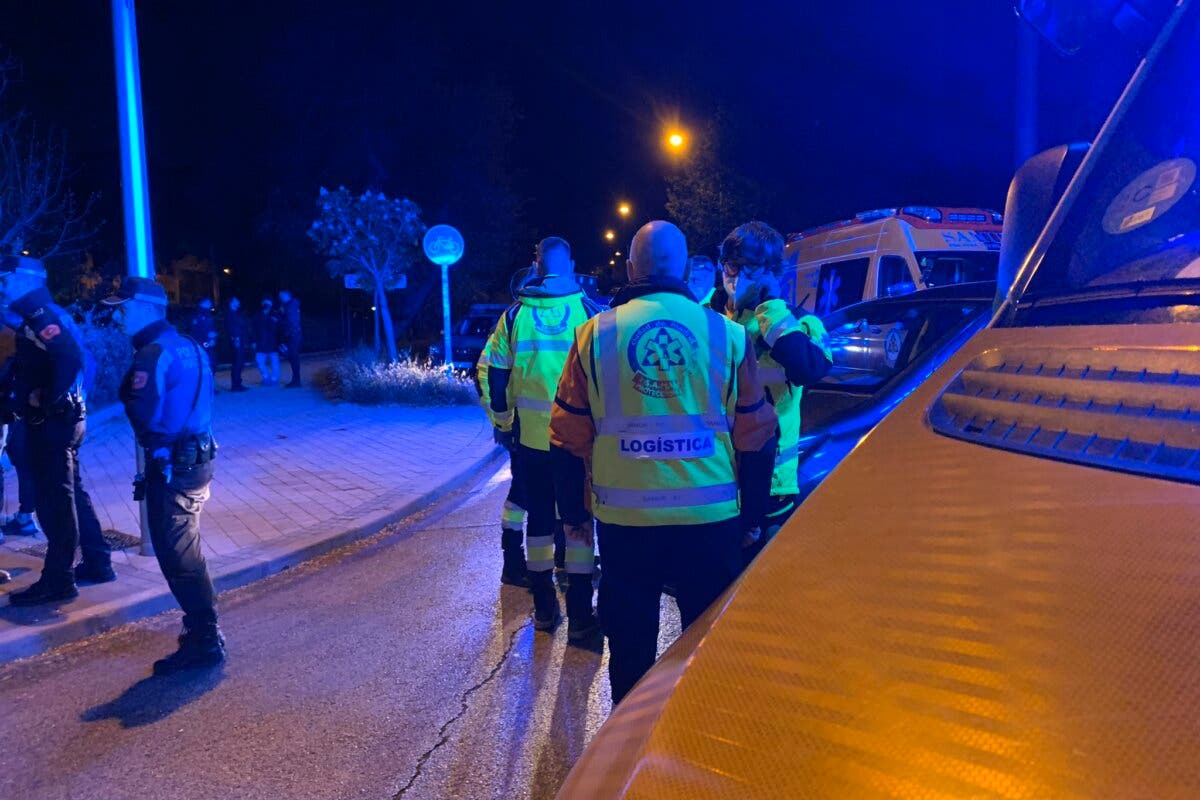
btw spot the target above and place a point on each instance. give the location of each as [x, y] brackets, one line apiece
[512, 515]
[49, 376]
[702, 278]
[663, 395]
[529, 349]
[167, 394]
[792, 349]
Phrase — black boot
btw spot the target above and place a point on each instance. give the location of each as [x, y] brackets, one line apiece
[197, 650]
[583, 628]
[513, 573]
[546, 613]
[94, 572]
[44, 591]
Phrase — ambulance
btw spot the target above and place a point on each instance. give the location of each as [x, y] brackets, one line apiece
[889, 252]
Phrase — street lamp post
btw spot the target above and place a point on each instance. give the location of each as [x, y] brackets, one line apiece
[139, 247]
[444, 246]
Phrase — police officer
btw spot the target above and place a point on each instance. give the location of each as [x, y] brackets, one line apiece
[791, 346]
[167, 394]
[529, 350]
[203, 329]
[289, 329]
[236, 330]
[49, 396]
[661, 394]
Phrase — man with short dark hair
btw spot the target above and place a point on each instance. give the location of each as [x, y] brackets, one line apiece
[203, 328]
[167, 394]
[289, 324]
[791, 346]
[702, 278]
[528, 351]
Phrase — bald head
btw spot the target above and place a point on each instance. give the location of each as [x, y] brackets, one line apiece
[658, 250]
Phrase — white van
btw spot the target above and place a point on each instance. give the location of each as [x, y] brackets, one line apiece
[889, 252]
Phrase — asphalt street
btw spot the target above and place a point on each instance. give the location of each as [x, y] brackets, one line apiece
[394, 668]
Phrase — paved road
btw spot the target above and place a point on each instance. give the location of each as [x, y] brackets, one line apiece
[395, 668]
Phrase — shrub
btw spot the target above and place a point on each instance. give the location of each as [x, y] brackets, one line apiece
[110, 349]
[360, 377]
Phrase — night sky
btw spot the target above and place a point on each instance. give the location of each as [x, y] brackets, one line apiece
[251, 105]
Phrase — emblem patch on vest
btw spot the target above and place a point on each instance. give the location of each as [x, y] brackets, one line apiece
[661, 353]
[551, 321]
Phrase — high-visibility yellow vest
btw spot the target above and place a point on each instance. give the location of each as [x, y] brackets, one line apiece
[532, 340]
[774, 315]
[662, 385]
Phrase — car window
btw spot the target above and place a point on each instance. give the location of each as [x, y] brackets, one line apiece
[841, 283]
[874, 342]
[895, 279]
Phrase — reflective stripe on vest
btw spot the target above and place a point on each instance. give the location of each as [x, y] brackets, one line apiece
[535, 404]
[542, 345]
[662, 424]
[666, 498]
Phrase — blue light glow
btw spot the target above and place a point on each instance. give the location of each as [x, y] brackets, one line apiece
[139, 246]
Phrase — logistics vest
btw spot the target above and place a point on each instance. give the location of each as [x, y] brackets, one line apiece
[662, 389]
[783, 395]
[532, 339]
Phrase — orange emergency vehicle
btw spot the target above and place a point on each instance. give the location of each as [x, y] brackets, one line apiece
[889, 252]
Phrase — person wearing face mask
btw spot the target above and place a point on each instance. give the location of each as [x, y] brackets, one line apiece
[791, 346]
[702, 279]
[167, 394]
[50, 377]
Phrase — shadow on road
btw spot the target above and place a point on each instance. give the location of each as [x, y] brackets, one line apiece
[155, 698]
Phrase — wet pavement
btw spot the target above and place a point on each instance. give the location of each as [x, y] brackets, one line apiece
[394, 668]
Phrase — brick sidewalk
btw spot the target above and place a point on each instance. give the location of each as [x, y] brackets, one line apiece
[296, 475]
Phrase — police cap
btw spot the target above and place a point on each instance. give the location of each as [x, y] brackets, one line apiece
[132, 288]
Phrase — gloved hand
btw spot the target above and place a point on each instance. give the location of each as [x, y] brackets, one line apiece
[750, 537]
[506, 439]
[139, 488]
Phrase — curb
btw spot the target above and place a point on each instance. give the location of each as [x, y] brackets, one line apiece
[251, 565]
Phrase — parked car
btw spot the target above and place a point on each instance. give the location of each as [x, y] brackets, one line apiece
[470, 335]
[995, 593]
[882, 350]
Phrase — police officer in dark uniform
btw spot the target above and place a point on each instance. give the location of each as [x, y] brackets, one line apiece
[49, 397]
[289, 332]
[203, 329]
[167, 395]
[236, 329]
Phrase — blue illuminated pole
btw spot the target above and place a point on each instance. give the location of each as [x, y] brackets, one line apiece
[139, 248]
[446, 317]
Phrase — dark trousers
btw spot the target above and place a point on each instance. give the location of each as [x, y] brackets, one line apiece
[235, 368]
[64, 509]
[18, 454]
[702, 560]
[537, 475]
[293, 356]
[173, 512]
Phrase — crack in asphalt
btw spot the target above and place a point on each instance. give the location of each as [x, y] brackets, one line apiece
[443, 732]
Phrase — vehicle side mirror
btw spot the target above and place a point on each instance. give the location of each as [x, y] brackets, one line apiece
[1070, 25]
[1034, 192]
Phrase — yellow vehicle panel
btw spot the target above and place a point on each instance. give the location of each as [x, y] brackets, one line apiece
[991, 624]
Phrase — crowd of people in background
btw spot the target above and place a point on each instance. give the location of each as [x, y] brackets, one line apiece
[273, 332]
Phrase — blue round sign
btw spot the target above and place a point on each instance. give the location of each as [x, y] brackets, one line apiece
[443, 245]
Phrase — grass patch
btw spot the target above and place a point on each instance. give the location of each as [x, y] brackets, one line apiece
[361, 378]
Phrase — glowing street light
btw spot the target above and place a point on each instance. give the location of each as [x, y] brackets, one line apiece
[676, 139]
[624, 209]
[227, 271]
[610, 235]
[612, 262]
